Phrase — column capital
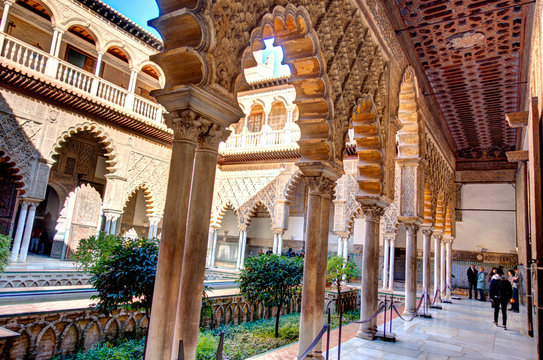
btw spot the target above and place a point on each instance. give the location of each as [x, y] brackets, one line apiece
[242, 227]
[211, 135]
[320, 185]
[9, 2]
[427, 230]
[343, 234]
[372, 212]
[412, 227]
[390, 236]
[278, 231]
[56, 28]
[185, 125]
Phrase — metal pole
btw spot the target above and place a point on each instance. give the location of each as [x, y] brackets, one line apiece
[339, 333]
[219, 348]
[391, 305]
[385, 319]
[328, 337]
[528, 246]
[181, 354]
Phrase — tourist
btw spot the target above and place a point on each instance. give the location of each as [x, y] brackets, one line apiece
[34, 239]
[472, 280]
[492, 273]
[481, 283]
[513, 279]
[269, 252]
[260, 252]
[500, 292]
[289, 252]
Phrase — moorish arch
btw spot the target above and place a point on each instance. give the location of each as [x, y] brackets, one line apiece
[137, 209]
[99, 133]
[291, 28]
[428, 220]
[369, 149]
[409, 136]
[12, 184]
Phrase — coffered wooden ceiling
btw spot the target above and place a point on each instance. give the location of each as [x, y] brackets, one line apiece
[470, 53]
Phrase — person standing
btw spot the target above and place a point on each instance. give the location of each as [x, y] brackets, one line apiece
[472, 280]
[481, 283]
[500, 292]
[513, 278]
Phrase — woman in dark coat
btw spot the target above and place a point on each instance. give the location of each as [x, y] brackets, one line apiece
[500, 292]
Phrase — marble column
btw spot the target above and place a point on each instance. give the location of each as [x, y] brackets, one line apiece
[28, 231]
[241, 245]
[411, 269]
[160, 336]
[437, 266]
[442, 269]
[214, 247]
[274, 249]
[370, 270]
[280, 242]
[386, 243]
[5, 14]
[192, 275]
[426, 258]
[243, 250]
[322, 258]
[19, 232]
[391, 263]
[346, 248]
[448, 271]
[98, 66]
[114, 223]
[107, 227]
[155, 229]
[309, 287]
[340, 246]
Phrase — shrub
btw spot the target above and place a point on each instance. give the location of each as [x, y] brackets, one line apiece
[271, 280]
[126, 278]
[5, 242]
[337, 271]
[128, 350]
[91, 252]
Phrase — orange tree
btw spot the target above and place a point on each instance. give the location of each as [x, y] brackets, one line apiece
[271, 280]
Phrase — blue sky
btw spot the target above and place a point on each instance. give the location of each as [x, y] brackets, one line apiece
[139, 11]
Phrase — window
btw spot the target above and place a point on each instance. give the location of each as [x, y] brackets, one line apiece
[278, 116]
[256, 119]
[82, 60]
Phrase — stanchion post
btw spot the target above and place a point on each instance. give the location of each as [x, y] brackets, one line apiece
[425, 315]
[382, 335]
[328, 337]
[339, 332]
[391, 305]
[433, 305]
[181, 354]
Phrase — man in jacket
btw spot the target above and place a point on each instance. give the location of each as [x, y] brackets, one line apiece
[472, 280]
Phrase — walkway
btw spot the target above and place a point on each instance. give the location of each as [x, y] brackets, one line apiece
[462, 330]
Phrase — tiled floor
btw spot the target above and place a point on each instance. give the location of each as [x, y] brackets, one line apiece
[462, 330]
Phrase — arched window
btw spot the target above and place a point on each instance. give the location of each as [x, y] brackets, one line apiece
[278, 116]
[256, 119]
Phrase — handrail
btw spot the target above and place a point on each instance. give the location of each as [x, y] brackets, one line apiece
[30, 57]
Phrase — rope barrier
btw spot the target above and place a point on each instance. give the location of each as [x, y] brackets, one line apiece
[414, 315]
[315, 342]
[371, 317]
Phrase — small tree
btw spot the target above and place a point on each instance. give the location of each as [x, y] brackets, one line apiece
[92, 251]
[5, 242]
[337, 271]
[127, 276]
[272, 280]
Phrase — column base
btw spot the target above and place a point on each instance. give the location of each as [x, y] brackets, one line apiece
[390, 337]
[370, 335]
[316, 355]
[408, 313]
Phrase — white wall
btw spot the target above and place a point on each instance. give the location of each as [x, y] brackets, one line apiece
[492, 230]
[229, 224]
[295, 228]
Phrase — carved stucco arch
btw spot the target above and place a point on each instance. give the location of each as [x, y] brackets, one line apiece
[98, 132]
[218, 216]
[369, 149]
[17, 175]
[439, 227]
[147, 194]
[249, 212]
[428, 220]
[290, 189]
[292, 29]
[409, 136]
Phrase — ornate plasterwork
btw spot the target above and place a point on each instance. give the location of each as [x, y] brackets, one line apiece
[149, 174]
[17, 139]
[99, 132]
[244, 191]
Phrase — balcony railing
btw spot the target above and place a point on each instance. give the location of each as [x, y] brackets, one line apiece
[32, 58]
[263, 140]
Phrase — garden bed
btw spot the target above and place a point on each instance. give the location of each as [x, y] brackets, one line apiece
[240, 341]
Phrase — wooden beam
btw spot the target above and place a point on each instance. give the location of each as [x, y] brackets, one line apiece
[514, 156]
[517, 119]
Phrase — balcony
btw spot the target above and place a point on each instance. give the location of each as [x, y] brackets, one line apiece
[46, 66]
[262, 141]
